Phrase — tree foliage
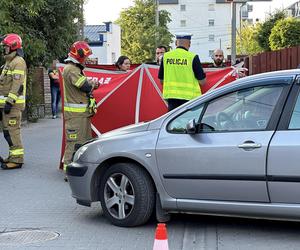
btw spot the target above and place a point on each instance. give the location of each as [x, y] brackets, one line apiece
[139, 31]
[266, 27]
[247, 43]
[47, 27]
[285, 34]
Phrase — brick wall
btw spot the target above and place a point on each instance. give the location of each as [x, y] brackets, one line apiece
[47, 93]
[40, 105]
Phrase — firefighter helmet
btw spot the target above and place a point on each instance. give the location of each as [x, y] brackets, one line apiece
[80, 50]
[13, 41]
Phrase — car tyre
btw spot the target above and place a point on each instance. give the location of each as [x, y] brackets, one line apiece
[127, 195]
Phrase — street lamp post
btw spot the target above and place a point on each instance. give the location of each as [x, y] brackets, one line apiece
[156, 22]
[233, 33]
[233, 24]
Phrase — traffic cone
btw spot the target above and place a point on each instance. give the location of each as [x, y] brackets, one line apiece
[161, 237]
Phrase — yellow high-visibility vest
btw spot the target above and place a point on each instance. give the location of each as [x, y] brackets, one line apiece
[179, 79]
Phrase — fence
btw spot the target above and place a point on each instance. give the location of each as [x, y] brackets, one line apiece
[288, 58]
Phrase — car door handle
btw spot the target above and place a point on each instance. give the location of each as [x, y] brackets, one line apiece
[249, 145]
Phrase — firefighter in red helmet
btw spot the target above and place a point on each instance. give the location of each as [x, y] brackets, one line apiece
[79, 104]
[12, 99]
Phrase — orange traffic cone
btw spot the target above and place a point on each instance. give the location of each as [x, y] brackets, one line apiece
[161, 237]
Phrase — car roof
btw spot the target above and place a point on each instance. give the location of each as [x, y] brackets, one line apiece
[272, 74]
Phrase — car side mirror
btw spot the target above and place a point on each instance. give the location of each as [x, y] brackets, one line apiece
[203, 127]
[191, 127]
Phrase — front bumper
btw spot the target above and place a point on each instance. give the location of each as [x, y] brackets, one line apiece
[80, 178]
[75, 169]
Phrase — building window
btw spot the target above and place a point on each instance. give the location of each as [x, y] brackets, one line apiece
[182, 23]
[182, 7]
[101, 40]
[210, 53]
[211, 37]
[113, 57]
[211, 7]
[211, 22]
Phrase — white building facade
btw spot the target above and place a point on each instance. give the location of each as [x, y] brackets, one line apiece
[105, 42]
[293, 10]
[208, 20]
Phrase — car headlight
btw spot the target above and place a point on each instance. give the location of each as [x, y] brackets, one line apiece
[80, 152]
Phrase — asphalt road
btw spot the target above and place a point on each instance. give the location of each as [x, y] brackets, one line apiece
[35, 204]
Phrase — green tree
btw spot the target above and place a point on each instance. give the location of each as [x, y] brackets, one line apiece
[45, 26]
[265, 28]
[139, 31]
[10, 22]
[247, 43]
[285, 34]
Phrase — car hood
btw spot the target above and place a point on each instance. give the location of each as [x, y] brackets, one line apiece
[143, 126]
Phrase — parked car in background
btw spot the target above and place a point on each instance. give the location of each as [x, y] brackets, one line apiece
[233, 151]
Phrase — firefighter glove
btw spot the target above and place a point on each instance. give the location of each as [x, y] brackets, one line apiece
[7, 108]
[92, 105]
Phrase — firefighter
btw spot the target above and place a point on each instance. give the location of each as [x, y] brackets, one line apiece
[12, 99]
[79, 104]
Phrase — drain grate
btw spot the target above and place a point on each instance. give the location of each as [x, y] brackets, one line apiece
[26, 237]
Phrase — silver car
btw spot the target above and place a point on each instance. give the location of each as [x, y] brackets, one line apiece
[233, 151]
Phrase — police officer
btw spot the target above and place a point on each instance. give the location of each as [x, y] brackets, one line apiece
[79, 104]
[181, 73]
[12, 99]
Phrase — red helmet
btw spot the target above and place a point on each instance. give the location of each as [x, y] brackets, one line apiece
[13, 41]
[80, 50]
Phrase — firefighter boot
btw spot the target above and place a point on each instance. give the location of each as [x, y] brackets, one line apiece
[66, 178]
[11, 165]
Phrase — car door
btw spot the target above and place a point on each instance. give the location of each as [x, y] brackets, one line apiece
[284, 153]
[226, 158]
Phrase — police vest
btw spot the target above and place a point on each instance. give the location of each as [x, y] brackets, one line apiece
[179, 79]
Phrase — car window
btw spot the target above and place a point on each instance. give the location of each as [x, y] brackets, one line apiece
[295, 120]
[247, 109]
[178, 125]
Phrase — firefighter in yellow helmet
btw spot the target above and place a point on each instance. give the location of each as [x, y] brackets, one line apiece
[12, 99]
[79, 104]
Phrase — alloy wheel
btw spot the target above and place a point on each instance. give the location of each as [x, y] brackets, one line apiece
[119, 196]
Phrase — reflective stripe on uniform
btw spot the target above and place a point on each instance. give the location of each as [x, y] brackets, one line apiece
[2, 99]
[19, 72]
[73, 107]
[16, 152]
[20, 99]
[12, 72]
[13, 96]
[183, 90]
[80, 81]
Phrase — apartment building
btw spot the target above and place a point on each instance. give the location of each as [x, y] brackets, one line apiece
[208, 20]
[294, 10]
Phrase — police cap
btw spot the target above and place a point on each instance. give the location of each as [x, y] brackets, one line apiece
[184, 35]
